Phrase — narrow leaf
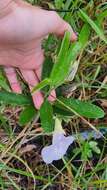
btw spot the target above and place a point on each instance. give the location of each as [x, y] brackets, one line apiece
[61, 67]
[15, 99]
[41, 85]
[73, 52]
[84, 35]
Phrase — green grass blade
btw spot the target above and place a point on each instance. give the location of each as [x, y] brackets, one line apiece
[101, 16]
[21, 172]
[84, 35]
[94, 26]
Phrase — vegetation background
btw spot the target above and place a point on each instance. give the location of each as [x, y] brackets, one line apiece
[23, 134]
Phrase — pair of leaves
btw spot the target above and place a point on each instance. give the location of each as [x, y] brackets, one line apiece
[61, 67]
[66, 57]
[85, 109]
[70, 106]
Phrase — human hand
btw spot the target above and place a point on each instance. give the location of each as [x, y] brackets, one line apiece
[22, 30]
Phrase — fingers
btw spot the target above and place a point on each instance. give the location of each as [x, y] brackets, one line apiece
[56, 25]
[60, 27]
[52, 96]
[32, 80]
[12, 78]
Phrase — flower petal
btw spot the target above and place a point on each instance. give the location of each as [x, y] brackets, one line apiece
[60, 147]
[85, 135]
[57, 138]
[96, 135]
[47, 155]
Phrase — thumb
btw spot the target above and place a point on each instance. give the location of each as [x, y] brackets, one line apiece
[56, 25]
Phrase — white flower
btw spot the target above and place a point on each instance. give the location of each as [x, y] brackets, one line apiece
[60, 144]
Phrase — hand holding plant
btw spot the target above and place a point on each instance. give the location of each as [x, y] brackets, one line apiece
[23, 27]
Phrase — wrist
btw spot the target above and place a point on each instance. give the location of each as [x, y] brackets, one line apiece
[5, 7]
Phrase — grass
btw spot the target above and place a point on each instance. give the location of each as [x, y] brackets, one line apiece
[21, 165]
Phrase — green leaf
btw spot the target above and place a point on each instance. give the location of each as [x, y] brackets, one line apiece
[41, 85]
[94, 147]
[84, 35]
[86, 151]
[61, 67]
[15, 99]
[85, 109]
[94, 26]
[27, 115]
[4, 85]
[58, 4]
[73, 52]
[61, 111]
[67, 55]
[46, 116]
